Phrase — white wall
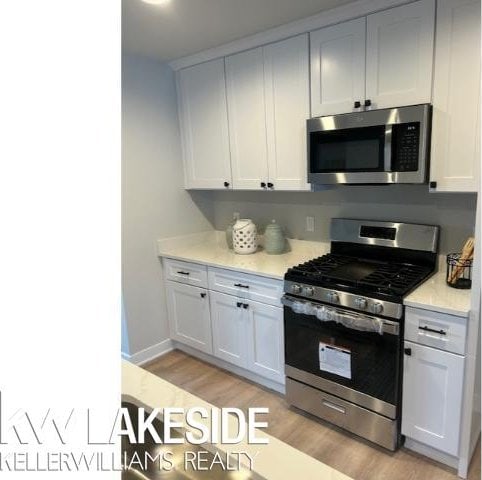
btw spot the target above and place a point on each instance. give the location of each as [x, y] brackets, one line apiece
[154, 203]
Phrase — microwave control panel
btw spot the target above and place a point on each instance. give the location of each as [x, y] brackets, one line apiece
[405, 147]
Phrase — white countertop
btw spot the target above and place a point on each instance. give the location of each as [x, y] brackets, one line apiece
[434, 294]
[273, 461]
[210, 248]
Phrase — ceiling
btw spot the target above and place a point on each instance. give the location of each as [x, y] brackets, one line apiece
[184, 27]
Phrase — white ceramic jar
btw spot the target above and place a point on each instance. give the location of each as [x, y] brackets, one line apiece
[245, 237]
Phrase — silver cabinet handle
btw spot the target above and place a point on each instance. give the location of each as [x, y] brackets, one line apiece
[333, 406]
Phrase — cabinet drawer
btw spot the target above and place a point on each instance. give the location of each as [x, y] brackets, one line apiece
[363, 422]
[252, 287]
[438, 330]
[186, 272]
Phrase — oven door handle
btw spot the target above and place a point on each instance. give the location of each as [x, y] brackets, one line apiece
[351, 320]
[360, 322]
[299, 306]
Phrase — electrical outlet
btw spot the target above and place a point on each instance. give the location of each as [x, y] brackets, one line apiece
[310, 224]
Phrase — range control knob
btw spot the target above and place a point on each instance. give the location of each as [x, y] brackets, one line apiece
[309, 291]
[361, 303]
[296, 289]
[377, 308]
[333, 297]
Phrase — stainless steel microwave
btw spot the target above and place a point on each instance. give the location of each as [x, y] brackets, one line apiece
[378, 146]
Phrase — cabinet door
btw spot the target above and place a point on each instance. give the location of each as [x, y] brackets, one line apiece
[432, 397]
[229, 328]
[204, 125]
[400, 55]
[266, 341]
[455, 156]
[189, 315]
[337, 67]
[287, 94]
[247, 119]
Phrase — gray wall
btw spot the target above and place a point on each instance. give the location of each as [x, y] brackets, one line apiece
[154, 203]
[455, 213]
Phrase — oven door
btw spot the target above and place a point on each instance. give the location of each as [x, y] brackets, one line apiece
[352, 356]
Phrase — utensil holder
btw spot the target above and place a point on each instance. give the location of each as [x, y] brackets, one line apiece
[459, 271]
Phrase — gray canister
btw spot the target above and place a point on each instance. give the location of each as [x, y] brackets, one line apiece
[274, 239]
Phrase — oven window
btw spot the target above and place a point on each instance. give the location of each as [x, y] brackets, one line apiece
[350, 150]
[373, 361]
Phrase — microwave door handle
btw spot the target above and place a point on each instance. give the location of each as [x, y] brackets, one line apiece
[387, 153]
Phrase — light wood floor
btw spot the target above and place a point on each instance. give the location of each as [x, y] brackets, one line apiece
[347, 453]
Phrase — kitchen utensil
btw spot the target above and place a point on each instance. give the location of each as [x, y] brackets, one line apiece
[459, 266]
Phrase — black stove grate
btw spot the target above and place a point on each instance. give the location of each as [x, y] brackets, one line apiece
[381, 277]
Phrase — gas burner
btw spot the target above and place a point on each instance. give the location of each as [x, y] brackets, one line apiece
[368, 275]
[321, 266]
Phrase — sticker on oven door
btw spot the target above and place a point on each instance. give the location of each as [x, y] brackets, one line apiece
[335, 360]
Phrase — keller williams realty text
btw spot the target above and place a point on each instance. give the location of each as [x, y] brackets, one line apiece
[26, 439]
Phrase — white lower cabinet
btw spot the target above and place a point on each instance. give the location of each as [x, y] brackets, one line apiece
[265, 340]
[189, 315]
[248, 334]
[432, 397]
[225, 321]
[229, 329]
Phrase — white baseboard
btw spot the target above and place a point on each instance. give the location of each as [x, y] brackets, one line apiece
[272, 385]
[149, 353]
[432, 453]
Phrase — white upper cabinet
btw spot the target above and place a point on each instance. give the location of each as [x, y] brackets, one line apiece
[455, 155]
[247, 119]
[204, 125]
[337, 67]
[287, 94]
[400, 55]
[268, 105]
[384, 59]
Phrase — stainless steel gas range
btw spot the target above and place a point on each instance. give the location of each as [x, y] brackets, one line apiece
[343, 316]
